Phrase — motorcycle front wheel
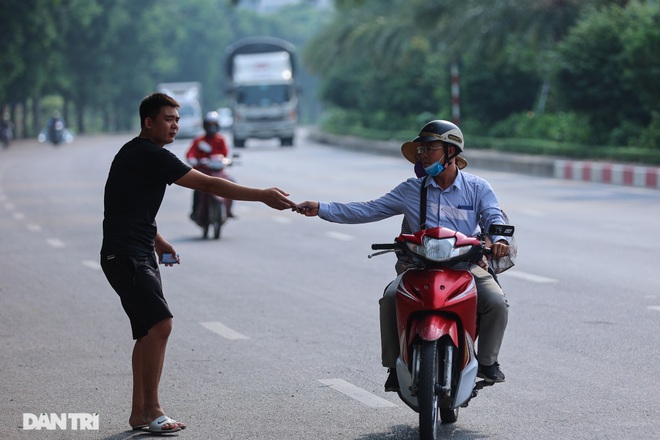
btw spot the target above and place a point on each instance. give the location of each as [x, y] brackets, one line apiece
[427, 395]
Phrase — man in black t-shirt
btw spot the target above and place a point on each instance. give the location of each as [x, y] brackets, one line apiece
[134, 191]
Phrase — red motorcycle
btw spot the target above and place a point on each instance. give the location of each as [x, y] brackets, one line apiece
[212, 211]
[436, 308]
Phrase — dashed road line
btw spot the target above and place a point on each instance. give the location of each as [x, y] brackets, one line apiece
[19, 215]
[32, 227]
[282, 220]
[532, 212]
[91, 264]
[357, 393]
[54, 242]
[529, 277]
[223, 330]
[656, 308]
[339, 236]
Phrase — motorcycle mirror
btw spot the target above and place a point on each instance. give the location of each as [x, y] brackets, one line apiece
[504, 230]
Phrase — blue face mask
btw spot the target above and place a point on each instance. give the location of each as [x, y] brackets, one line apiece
[434, 169]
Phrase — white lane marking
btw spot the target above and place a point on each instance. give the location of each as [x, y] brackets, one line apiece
[529, 277]
[532, 212]
[34, 228]
[357, 393]
[282, 220]
[656, 308]
[54, 242]
[19, 215]
[339, 236]
[91, 264]
[223, 330]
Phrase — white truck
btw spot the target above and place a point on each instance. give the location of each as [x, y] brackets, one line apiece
[262, 90]
[188, 95]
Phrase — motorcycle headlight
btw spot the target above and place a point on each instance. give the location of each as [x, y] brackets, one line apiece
[438, 249]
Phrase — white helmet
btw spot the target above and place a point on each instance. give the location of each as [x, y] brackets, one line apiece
[212, 123]
[437, 130]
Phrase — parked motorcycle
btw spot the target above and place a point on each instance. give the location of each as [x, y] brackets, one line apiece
[212, 211]
[436, 307]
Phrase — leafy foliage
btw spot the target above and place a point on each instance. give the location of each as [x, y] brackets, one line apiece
[100, 57]
[591, 76]
[562, 70]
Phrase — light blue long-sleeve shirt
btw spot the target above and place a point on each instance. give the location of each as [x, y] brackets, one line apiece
[467, 202]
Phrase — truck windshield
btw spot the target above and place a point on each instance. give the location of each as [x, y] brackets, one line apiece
[186, 110]
[263, 94]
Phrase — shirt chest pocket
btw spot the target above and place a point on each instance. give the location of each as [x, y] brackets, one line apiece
[461, 212]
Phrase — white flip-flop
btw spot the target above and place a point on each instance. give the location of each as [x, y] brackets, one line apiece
[156, 427]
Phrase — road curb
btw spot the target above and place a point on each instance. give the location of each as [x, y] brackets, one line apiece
[542, 166]
[602, 172]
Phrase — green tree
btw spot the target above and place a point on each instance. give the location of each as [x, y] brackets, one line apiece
[641, 45]
[376, 67]
[592, 75]
[498, 44]
[28, 50]
[97, 58]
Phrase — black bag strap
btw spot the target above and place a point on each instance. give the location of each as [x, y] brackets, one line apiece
[422, 204]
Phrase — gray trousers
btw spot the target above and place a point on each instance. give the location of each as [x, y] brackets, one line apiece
[492, 317]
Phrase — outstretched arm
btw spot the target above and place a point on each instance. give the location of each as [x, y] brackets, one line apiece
[273, 197]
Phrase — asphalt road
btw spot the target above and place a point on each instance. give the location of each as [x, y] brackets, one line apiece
[276, 324]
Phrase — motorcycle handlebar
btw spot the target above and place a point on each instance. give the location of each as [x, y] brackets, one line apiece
[383, 246]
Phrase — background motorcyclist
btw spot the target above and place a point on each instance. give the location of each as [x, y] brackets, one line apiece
[6, 130]
[55, 128]
[211, 143]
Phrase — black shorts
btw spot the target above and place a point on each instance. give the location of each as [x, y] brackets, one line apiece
[136, 279]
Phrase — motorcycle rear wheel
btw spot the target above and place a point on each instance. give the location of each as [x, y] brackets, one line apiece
[219, 217]
[427, 396]
[205, 214]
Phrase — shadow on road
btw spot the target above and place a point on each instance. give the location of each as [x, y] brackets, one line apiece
[130, 434]
[404, 432]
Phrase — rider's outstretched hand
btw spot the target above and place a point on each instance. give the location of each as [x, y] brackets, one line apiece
[308, 208]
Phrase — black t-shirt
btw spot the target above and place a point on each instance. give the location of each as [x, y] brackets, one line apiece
[138, 177]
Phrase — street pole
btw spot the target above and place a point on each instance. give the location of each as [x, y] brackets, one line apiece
[455, 94]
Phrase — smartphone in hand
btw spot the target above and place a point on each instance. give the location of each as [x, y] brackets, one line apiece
[170, 259]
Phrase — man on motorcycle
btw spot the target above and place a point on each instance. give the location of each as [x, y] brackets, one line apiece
[454, 199]
[203, 147]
